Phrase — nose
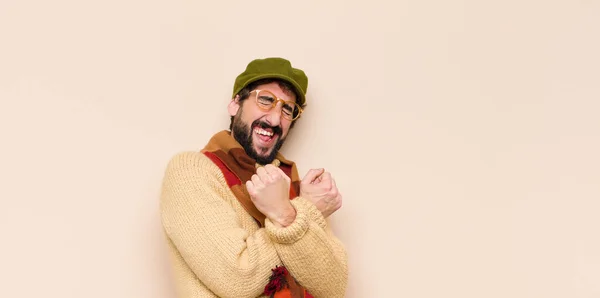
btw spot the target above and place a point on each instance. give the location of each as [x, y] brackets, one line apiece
[274, 115]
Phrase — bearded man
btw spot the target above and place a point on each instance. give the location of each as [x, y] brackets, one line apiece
[238, 219]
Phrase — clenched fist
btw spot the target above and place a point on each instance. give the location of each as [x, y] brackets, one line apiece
[269, 190]
[319, 187]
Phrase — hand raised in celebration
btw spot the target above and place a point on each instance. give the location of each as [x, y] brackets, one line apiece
[269, 190]
[319, 187]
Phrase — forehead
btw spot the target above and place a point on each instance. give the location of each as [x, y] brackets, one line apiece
[287, 95]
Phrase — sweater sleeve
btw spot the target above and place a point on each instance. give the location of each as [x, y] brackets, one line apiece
[310, 251]
[230, 261]
[207, 233]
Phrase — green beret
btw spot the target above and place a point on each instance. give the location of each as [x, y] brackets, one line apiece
[278, 68]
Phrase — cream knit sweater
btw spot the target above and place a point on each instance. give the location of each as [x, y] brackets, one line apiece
[218, 250]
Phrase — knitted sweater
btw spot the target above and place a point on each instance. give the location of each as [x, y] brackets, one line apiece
[217, 249]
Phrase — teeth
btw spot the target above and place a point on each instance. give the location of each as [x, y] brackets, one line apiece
[263, 132]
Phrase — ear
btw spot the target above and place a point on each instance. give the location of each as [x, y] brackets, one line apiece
[234, 106]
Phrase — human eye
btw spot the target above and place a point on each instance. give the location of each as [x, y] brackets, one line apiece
[265, 99]
[288, 109]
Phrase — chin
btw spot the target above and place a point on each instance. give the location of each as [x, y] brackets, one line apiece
[261, 153]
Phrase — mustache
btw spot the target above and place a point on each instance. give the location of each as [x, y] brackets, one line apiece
[276, 129]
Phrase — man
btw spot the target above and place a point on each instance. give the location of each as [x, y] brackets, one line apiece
[239, 221]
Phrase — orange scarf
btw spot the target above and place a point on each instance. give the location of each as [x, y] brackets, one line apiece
[238, 167]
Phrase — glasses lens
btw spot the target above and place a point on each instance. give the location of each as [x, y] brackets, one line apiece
[265, 99]
[288, 110]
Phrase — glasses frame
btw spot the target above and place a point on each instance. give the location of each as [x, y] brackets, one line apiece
[275, 102]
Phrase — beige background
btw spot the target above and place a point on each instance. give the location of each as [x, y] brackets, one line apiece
[463, 134]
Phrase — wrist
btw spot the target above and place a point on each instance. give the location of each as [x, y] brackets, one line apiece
[285, 217]
[293, 232]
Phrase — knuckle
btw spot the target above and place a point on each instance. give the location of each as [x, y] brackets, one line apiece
[339, 203]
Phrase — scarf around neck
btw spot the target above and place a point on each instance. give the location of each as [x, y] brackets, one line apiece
[238, 168]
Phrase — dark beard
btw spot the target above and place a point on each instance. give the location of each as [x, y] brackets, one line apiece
[244, 135]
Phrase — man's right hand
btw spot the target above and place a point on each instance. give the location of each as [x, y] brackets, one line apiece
[319, 187]
[269, 190]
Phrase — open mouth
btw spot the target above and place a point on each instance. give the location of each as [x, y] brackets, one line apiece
[265, 135]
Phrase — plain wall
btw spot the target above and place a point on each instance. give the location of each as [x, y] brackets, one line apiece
[464, 136]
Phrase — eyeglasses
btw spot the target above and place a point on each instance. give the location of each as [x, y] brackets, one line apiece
[267, 101]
